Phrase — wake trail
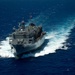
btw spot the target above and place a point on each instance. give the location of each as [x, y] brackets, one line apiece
[56, 37]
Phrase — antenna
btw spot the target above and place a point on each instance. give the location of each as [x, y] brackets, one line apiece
[23, 22]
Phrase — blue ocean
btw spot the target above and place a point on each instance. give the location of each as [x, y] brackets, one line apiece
[57, 55]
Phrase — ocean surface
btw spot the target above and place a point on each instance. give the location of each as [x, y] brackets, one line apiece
[57, 55]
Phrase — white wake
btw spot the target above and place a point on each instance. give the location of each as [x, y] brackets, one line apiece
[5, 49]
[56, 39]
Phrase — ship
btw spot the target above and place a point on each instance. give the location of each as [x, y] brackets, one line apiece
[26, 38]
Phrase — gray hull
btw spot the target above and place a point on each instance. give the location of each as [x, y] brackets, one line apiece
[22, 49]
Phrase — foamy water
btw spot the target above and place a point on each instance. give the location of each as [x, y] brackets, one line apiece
[5, 49]
[56, 39]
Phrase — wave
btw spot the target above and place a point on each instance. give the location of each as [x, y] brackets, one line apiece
[56, 36]
[5, 49]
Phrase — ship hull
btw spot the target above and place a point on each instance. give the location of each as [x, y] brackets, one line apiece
[21, 49]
